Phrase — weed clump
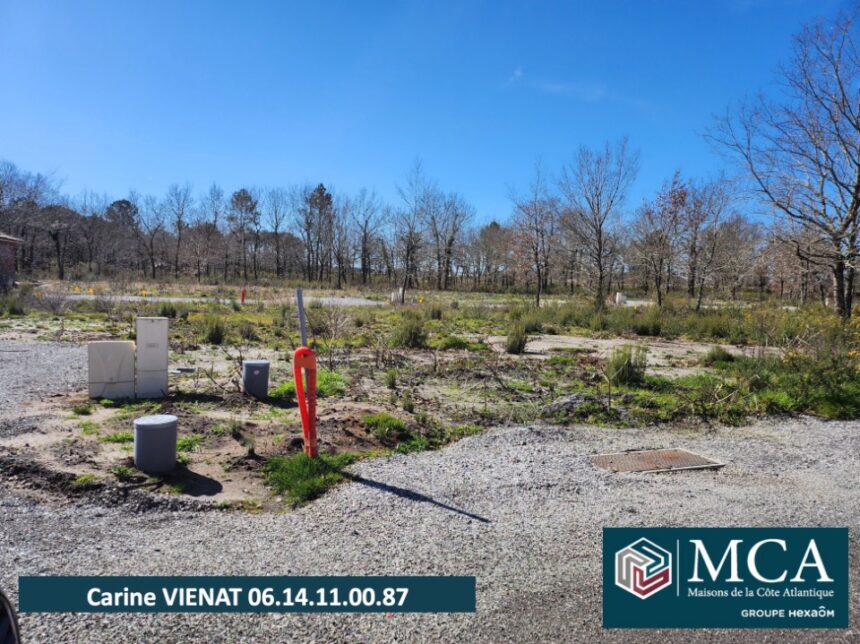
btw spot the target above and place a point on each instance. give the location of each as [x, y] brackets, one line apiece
[407, 403]
[717, 355]
[391, 378]
[167, 310]
[84, 481]
[517, 339]
[415, 444]
[650, 324]
[626, 366]
[247, 332]
[458, 343]
[214, 331]
[123, 473]
[410, 333]
[233, 427]
[385, 426]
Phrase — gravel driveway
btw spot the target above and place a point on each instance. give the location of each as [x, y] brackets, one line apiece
[521, 508]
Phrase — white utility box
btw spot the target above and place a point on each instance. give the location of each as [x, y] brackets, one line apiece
[152, 351]
[111, 369]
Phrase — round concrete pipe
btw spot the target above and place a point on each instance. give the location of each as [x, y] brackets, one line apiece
[255, 378]
[155, 443]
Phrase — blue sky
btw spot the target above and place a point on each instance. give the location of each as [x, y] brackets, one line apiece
[111, 96]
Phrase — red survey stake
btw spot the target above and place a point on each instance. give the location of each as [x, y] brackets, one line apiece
[305, 359]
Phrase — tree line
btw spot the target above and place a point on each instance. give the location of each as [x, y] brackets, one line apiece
[569, 230]
[569, 234]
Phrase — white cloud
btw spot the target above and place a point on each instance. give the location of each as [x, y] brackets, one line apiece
[588, 92]
[516, 75]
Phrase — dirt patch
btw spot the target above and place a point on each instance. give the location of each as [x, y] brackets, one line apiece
[27, 474]
[672, 358]
[224, 440]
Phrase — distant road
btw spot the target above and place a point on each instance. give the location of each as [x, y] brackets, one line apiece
[327, 301]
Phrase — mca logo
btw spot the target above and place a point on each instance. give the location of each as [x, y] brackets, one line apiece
[643, 568]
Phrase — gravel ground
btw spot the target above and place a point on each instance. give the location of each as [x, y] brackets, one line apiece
[532, 534]
[29, 370]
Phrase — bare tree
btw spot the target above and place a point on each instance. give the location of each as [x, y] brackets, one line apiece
[417, 195]
[122, 247]
[704, 206]
[365, 216]
[656, 229]
[535, 221]
[212, 218]
[151, 229]
[177, 205]
[204, 232]
[341, 242]
[59, 222]
[93, 228]
[445, 219]
[594, 187]
[739, 249]
[277, 205]
[243, 214]
[706, 212]
[802, 150]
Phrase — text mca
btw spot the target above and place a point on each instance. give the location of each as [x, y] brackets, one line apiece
[810, 567]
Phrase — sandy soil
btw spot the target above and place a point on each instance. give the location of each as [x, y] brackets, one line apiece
[665, 357]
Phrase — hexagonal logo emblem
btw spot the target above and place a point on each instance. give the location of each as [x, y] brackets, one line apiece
[643, 568]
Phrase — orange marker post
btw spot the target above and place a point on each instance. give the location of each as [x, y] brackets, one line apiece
[242, 296]
[305, 359]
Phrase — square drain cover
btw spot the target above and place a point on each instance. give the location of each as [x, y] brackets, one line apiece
[654, 460]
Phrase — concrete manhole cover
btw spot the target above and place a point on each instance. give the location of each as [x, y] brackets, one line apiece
[654, 460]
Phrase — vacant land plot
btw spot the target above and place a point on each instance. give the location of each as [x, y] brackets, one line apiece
[449, 453]
[392, 380]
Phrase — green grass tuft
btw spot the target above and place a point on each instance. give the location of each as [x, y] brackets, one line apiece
[189, 443]
[415, 444]
[461, 431]
[88, 428]
[123, 472]
[384, 425]
[329, 383]
[119, 437]
[301, 479]
[84, 480]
